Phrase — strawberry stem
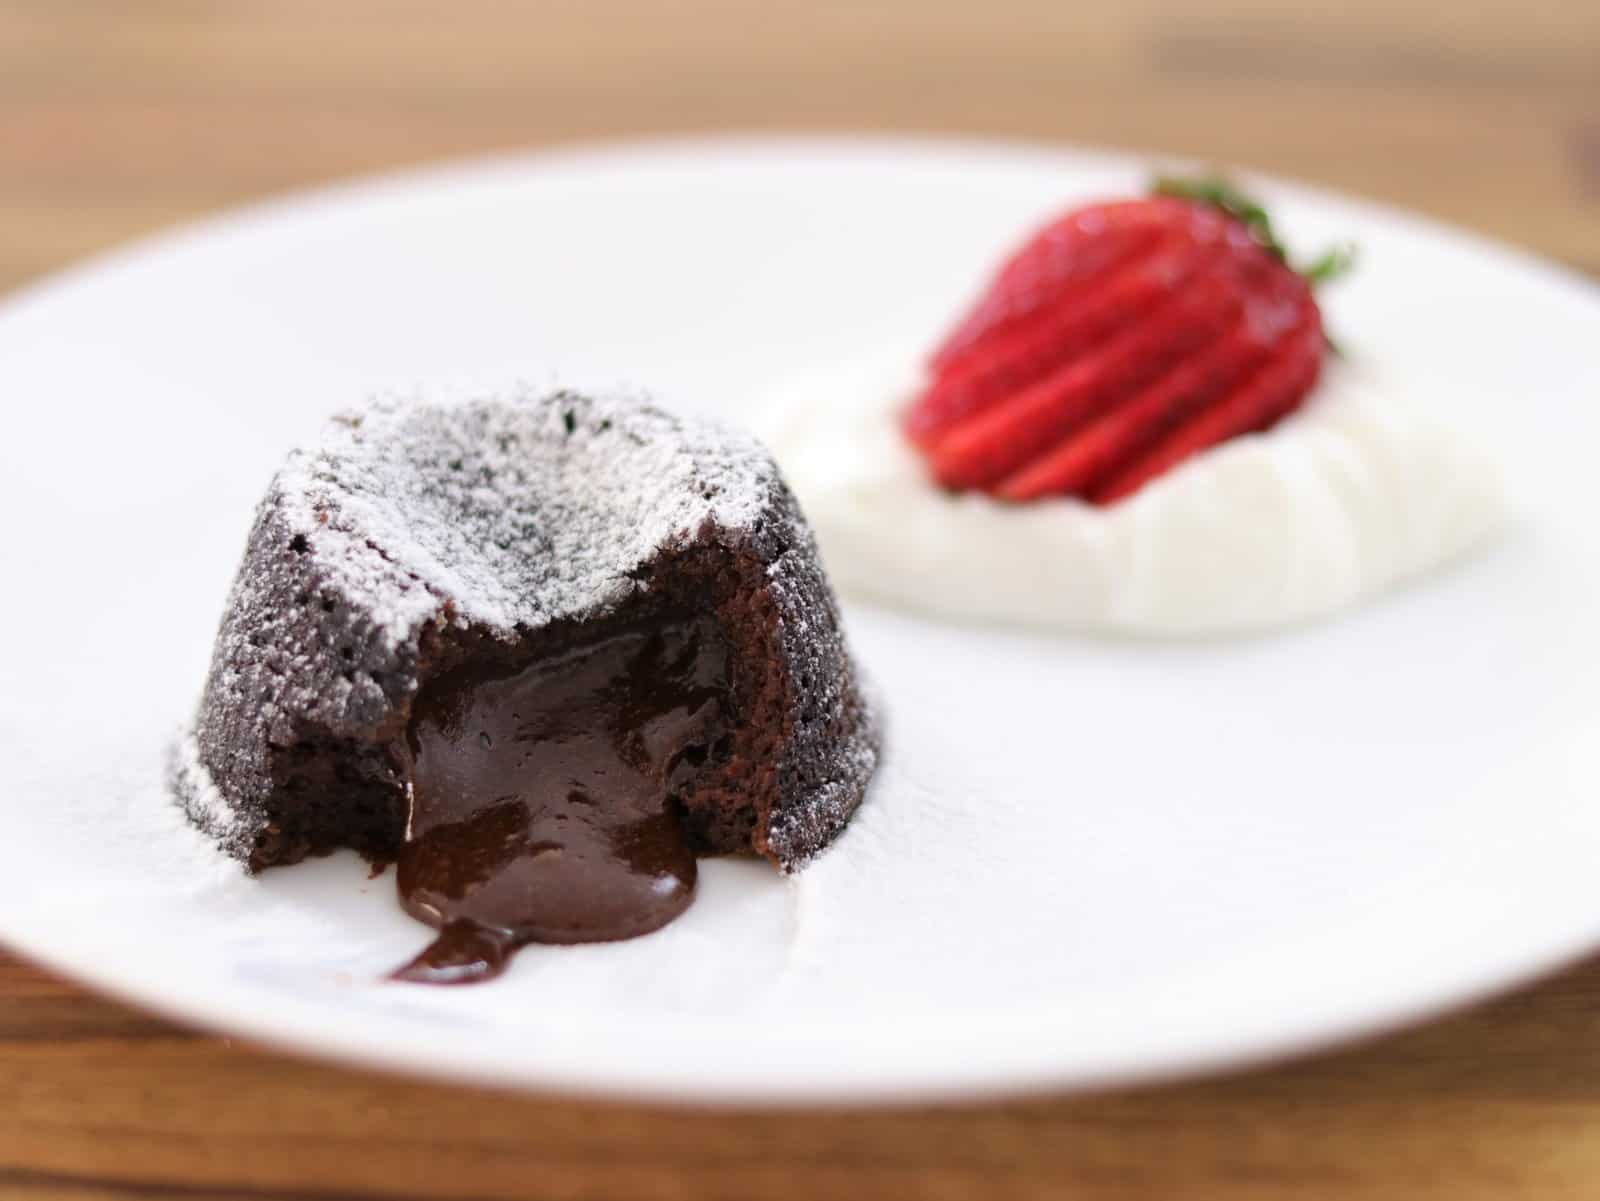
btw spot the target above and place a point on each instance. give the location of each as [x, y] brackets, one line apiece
[1219, 193]
[1331, 264]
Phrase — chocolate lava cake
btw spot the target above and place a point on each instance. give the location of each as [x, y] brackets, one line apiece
[539, 651]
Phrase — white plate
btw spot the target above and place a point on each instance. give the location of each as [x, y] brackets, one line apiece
[1178, 856]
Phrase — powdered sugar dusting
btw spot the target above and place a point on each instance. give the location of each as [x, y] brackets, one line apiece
[206, 805]
[445, 491]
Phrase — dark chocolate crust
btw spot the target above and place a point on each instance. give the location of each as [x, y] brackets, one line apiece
[420, 537]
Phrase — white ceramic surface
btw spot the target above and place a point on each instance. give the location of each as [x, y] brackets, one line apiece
[1085, 861]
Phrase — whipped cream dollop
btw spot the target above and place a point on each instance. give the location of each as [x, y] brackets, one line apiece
[1357, 491]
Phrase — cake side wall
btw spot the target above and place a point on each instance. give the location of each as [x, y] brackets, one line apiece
[835, 740]
[303, 692]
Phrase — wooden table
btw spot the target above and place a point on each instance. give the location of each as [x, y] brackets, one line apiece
[117, 118]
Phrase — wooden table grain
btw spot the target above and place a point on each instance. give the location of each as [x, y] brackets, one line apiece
[119, 118]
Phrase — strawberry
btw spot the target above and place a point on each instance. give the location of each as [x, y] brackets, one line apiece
[1120, 340]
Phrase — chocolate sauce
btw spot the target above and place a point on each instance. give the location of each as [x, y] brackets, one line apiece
[542, 805]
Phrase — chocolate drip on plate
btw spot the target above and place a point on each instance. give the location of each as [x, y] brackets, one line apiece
[543, 797]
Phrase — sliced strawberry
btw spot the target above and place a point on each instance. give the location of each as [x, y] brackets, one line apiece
[1124, 431]
[1275, 390]
[1118, 341]
[1067, 252]
[1128, 429]
[1013, 358]
[995, 443]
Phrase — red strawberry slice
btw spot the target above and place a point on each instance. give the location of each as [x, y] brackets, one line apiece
[986, 448]
[1063, 258]
[1076, 463]
[1130, 428]
[1070, 251]
[1012, 356]
[1119, 341]
[1270, 394]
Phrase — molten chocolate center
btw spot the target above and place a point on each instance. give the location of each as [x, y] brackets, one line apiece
[543, 797]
